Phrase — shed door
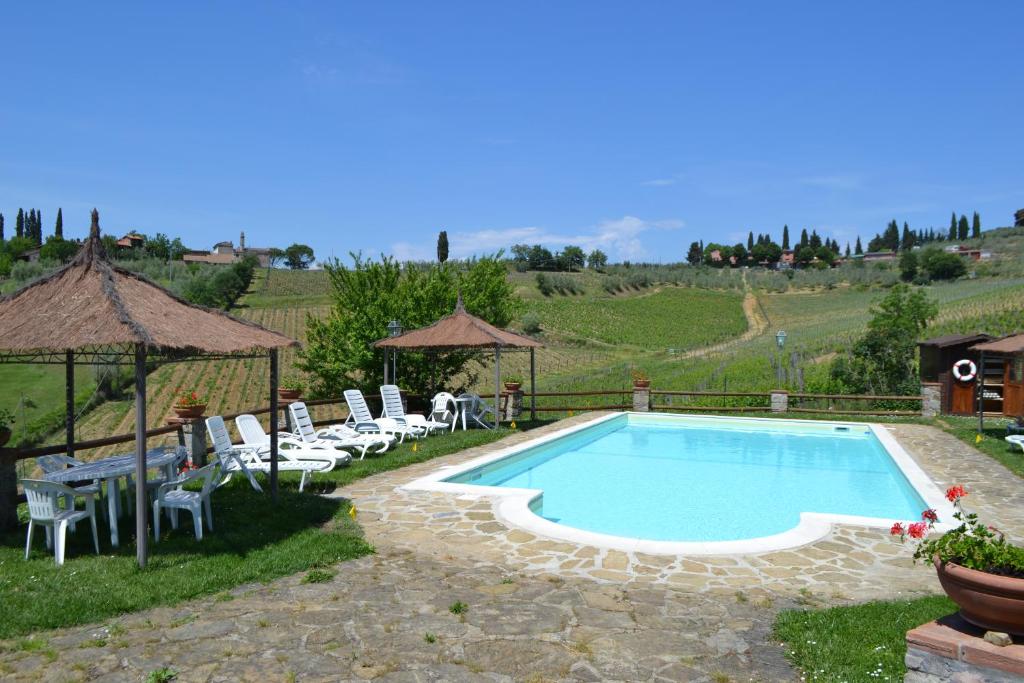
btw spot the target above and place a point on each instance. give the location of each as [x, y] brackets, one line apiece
[1013, 392]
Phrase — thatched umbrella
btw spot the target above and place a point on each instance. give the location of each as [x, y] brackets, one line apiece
[461, 331]
[91, 311]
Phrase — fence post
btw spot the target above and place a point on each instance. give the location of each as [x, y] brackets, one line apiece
[780, 401]
[931, 399]
[642, 397]
[195, 441]
[8, 489]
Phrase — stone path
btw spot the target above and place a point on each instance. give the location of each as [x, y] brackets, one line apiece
[454, 595]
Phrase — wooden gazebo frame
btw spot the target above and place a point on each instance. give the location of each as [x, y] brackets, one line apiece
[461, 331]
[92, 312]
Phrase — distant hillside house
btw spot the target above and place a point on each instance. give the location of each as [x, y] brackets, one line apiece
[967, 252]
[225, 253]
[879, 256]
[131, 241]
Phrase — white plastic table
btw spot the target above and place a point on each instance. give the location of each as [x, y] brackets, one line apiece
[462, 403]
[110, 470]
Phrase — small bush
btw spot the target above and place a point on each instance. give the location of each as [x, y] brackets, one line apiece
[458, 607]
[531, 322]
[318, 576]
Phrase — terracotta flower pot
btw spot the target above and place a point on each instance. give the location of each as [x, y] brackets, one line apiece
[5, 435]
[990, 601]
[189, 412]
[642, 383]
[513, 386]
[289, 394]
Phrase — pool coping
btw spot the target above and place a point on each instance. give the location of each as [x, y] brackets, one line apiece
[512, 505]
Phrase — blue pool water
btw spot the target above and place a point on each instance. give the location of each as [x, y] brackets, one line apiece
[669, 478]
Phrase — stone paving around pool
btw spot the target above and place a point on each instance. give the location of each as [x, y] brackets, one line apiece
[454, 595]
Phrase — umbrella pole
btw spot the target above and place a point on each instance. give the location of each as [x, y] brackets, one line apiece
[273, 425]
[69, 401]
[497, 387]
[141, 506]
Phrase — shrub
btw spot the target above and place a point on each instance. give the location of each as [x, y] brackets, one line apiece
[531, 322]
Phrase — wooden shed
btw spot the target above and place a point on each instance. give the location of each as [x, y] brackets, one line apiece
[938, 356]
[1001, 376]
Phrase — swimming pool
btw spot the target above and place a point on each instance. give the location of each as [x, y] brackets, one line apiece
[701, 484]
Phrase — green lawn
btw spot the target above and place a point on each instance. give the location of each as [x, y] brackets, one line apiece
[35, 394]
[858, 643]
[992, 441]
[253, 541]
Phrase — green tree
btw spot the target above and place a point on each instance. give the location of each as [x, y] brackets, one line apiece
[825, 255]
[750, 241]
[158, 246]
[18, 245]
[942, 265]
[858, 249]
[695, 254]
[299, 256]
[367, 294]
[1, 228]
[976, 225]
[58, 228]
[952, 228]
[739, 252]
[540, 258]
[785, 237]
[573, 258]
[803, 240]
[907, 239]
[19, 224]
[58, 249]
[442, 246]
[597, 260]
[883, 361]
[963, 228]
[766, 252]
[908, 266]
[275, 257]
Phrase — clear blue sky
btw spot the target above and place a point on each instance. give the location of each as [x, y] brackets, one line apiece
[636, 127]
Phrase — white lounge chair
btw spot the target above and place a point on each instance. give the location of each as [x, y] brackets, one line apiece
[340, 435]
[362, 420]
[444, 409]
[172, 497]
[44, 511]
[478, 409]
[246, 459]
[391, 397]
[289, 446]
[1016, 440]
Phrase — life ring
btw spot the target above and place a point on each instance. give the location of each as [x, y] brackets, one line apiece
[972, 370]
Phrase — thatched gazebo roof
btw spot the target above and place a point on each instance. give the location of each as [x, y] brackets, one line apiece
[92, 303]
[456, 332]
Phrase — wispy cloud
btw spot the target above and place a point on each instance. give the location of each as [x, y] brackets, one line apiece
[659, 182]
[620, 238]
[833, 182]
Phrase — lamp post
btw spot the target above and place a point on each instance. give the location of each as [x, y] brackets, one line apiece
[780, 338]
[394, 330]
[780, 341]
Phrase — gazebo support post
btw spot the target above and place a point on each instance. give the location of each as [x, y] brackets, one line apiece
[497, 386]
[69, 401]
[980, 389]
[273, 425]
[533, 384]
[141, 505]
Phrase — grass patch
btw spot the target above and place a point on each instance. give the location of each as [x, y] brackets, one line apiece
[992, 444]
[458, 607]
[857, 643]
[254, 541]
[318, 576]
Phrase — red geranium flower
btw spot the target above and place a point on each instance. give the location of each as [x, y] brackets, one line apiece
[917, 530]
[897, 529]
[955, 492]
[930, 515]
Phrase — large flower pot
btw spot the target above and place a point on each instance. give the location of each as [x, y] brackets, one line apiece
[641, 383]
[513, 386]
[990, 601]
[5, 435]
[189, 412]
[289, 394]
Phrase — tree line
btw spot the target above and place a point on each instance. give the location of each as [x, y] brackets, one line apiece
[570, 259]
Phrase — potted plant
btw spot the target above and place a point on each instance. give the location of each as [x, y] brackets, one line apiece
[640, 379]
[513, 383]
[979, 570]
[189, 404]
[6, 420]
[291, 388]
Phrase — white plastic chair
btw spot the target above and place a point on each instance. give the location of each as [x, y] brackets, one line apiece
[478, 409]
[339, 435]
[1016, 440]
[56, 463]
[171, 496]
[363, 421]
[443, 409]
[288, 446]
[44, 511]
[391, 397]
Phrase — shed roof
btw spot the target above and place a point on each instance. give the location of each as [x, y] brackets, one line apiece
[1009, 345]
[955, 340]
[460, 330]
[91, 303]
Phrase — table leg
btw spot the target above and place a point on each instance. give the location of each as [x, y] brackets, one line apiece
[113, 508]
[463, 417]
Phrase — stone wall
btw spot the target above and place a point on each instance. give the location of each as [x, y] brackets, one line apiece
[931, 395]
[952, 651]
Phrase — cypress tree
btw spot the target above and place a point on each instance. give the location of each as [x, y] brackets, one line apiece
[19, 223]
[858, 250]
[803, 239]
[58, 229]
[750, 241]
[963, 228]
[785, 237]
[952, 227]
[442, 246]
[847, 249]
[976, 225]
[1, 227]
[39, 226]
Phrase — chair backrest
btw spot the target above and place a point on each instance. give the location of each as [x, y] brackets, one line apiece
[302, 421]
[357, 405]
[474, 403]
[211, 473]
[41, 497]
[443, 404]
[392, 399]
[251, 431]
[218, 432]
